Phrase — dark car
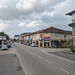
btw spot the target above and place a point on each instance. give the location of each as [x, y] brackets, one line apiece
[9, 45]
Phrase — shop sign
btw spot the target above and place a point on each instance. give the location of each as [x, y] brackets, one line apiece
[40, 35]
[46, 39]
[73, 36]
[40, 39]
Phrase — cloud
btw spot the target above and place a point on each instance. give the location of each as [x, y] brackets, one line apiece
[23, 5]
[3, 6]
[34, 23]
[25, 15]
[21, 25]
[3, 26]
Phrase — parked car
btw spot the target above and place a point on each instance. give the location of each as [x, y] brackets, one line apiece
[9, 45]
[34, 45]
[4, 47]
[28, 44]
[25, 43]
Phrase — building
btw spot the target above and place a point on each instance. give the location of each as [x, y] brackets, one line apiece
[3, 40]
[24, 37]
[16, 37]
[51, 37]
[72, 25]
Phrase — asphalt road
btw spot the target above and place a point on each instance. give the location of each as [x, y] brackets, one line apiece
[36, 62]
[9, 65]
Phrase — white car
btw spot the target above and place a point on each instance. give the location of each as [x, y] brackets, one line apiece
[4, 47]
[34, 45]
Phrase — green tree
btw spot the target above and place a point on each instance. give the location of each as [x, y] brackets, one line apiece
[69, 42]
[3, 34]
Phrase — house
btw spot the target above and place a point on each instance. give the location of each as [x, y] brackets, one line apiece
[24, 37]
[51, 36]
[16, 37]
[72, 13]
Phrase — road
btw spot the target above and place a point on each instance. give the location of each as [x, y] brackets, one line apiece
[36, 62]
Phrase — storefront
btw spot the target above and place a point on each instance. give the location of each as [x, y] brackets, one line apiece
[46, 42]
[2, 40]
[40, 42]
[30, 40]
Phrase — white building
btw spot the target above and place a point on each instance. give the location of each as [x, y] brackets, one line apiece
[72, 25]
[2, 40]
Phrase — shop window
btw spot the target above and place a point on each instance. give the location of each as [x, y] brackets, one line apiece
[52, 35]
[65, 36]
[62, 36]
[46, 34]
[56, 36]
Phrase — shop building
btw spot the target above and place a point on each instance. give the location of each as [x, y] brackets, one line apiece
[51, 37]
[2, 40]
[16, 37]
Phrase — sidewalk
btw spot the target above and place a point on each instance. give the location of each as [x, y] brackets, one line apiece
[55, 49]
[9, 51]
[62, 52]
[9, 63]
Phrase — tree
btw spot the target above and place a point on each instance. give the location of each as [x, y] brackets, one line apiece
[3, 34]
[69, 42]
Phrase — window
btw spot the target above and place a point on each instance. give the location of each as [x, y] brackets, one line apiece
[56, 36]
[65, 36]
[52, 35]
[62, 36]
[46, 34]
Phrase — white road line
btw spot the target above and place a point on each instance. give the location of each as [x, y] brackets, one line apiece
[64, 70]
[49, 62]
[39, 57]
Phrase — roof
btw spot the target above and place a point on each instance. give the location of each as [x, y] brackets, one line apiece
[25, 33]
[70, 13]
[52, 30]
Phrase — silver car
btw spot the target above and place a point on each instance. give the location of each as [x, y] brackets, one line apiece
[4, 47]
[34, 45]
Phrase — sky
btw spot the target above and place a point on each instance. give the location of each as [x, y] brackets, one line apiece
[19, 16]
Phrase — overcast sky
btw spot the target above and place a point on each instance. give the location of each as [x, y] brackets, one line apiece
[18, 16]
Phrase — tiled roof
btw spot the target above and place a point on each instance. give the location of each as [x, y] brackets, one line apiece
[52, 30]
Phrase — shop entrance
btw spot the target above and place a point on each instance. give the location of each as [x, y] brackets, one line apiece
[46, 44]
[55, 44]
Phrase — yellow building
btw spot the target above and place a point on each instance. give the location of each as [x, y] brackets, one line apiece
[51, 37]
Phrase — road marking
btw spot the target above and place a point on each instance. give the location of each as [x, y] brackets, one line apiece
[49, 62]
[39, 57]
[64, 70]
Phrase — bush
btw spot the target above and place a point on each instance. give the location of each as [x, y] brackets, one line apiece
[72, 48]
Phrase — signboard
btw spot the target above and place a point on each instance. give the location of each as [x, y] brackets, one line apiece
[2, 37]
[46, 39]
[73, 36]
